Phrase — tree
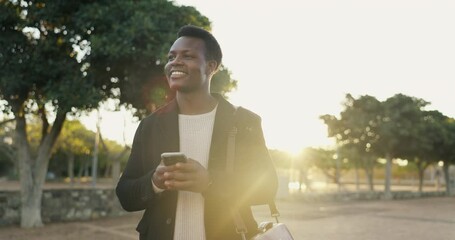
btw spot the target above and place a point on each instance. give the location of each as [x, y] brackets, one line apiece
[448, 151]
[74, 140]
[360, 157]
[398, 132]
[62, 57]
[431, 136]
[356, 131]
[325, 160]
[114, 154]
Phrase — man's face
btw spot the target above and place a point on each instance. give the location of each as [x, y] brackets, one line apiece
[187, 69]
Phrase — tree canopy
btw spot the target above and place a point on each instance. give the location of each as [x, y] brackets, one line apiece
[398, 127]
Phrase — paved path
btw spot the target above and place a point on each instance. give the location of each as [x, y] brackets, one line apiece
[418, 219]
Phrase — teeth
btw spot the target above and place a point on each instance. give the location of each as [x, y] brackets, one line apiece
[177, 73]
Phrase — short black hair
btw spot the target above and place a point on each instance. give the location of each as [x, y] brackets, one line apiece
[213, 49]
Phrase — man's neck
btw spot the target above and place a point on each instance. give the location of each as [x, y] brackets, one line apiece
[195, 103]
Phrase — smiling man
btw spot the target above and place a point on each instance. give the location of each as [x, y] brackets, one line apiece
[193, 199]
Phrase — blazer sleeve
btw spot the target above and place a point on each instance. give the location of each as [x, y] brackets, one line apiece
[254, 180]
[134, 189]
[257, 181]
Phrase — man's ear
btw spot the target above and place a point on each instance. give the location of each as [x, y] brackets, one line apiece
[212, 67]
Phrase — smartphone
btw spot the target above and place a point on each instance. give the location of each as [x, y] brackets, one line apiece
[171, 158]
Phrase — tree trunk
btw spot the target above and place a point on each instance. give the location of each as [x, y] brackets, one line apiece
[369, 170]
[115, 171]
[338, 172]
[31, 206]
[71, 168]
[388, 177]
[357, 179]
[421, 171]
[422, 167]
[369, 175]
[30, 190]
[33, 173]
[81, 170]
[445, 168]
[116, 165]
[95, 152]
[86, 169]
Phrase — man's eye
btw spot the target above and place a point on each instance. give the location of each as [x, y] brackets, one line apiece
[188, 56]
[170, 58]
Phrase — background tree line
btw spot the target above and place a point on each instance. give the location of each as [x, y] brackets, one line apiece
[368, 130]
[71, 156]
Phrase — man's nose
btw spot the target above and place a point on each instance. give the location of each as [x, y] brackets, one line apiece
[176, 61]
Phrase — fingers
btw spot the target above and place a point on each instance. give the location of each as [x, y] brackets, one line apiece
[196, 185]
[180, 176]
[158, 177]
[179, 185]
[189, 176]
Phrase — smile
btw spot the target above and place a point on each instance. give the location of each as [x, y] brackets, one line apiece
[177, 74]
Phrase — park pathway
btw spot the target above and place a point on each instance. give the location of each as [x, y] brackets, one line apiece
[416, 219]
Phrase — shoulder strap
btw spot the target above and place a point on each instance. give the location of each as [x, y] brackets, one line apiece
[230, 159]
[240, 226]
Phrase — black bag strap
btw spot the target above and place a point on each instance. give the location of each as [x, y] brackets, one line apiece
[230, 159]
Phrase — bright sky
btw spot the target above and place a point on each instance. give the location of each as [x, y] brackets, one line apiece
[296, 59]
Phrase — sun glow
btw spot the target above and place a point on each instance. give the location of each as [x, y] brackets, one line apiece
[285, 130]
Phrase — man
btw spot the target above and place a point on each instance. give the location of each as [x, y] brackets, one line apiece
[192, 200]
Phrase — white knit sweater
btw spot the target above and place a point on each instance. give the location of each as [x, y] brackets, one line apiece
[195, 138]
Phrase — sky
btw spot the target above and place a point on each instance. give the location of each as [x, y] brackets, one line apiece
[295, 60]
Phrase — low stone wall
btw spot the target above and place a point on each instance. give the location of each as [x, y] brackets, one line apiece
[63, 205]
[361, 196]
[82, 204]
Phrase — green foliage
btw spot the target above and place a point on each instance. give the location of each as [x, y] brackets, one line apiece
[398, 127]
[75, 139]
[447, 149]
[222, 82]
[129, 41]
[108, 154]
[357, 126]
[375, 128]
[73, 54]
[38, 60]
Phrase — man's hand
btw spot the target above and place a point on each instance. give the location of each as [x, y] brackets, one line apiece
[189, 176]
[158, 176]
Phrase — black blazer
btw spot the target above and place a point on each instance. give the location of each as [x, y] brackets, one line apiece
[254, 181]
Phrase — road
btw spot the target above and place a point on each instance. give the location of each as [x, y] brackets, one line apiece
[416, 219]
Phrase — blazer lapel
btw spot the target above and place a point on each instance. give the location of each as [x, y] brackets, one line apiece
[168, 125]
